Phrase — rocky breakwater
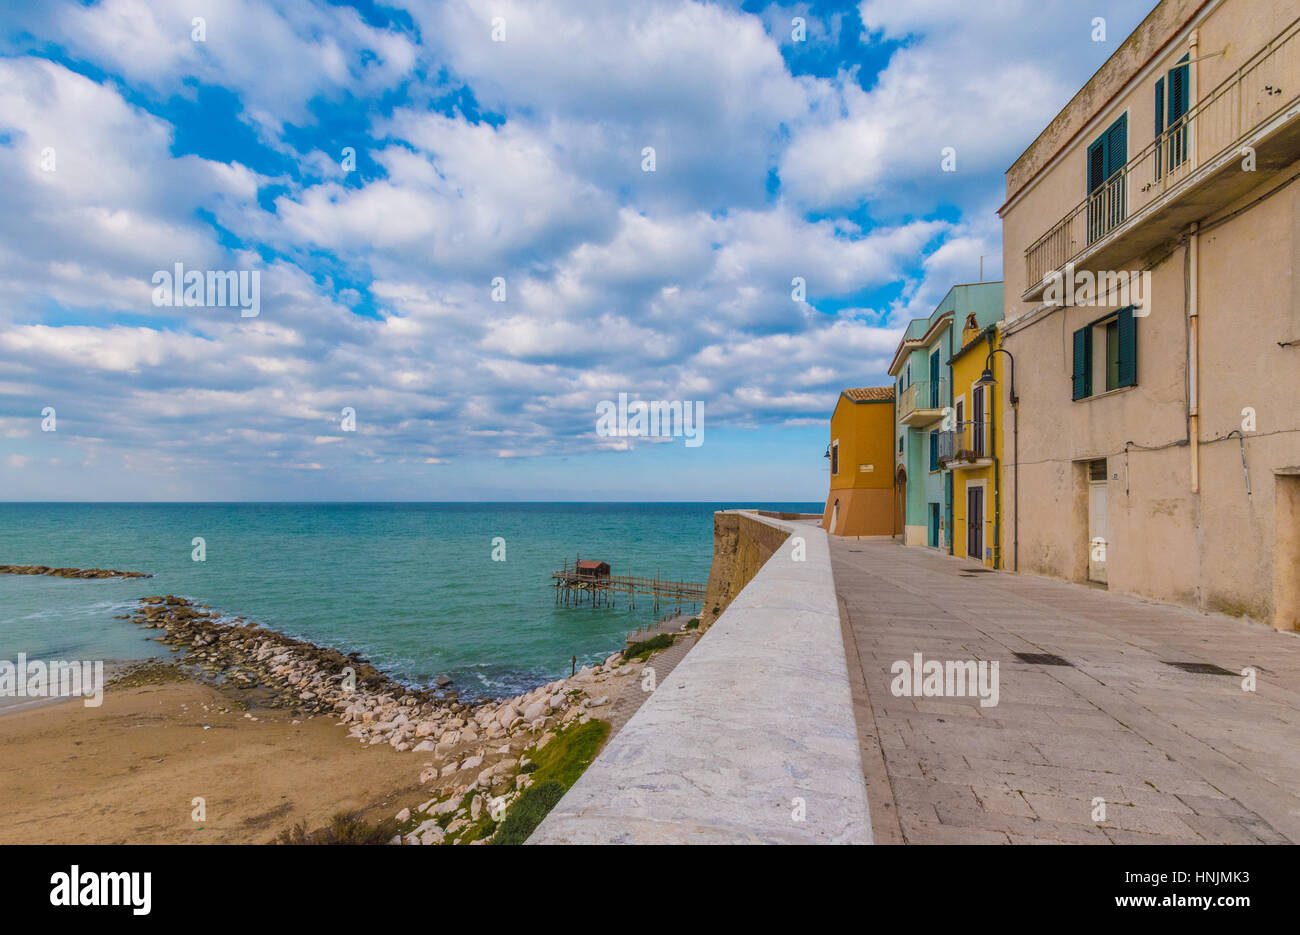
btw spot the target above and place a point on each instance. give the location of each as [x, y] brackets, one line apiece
[301, 675]
[481, 758]
[476, 755]
[70, 572]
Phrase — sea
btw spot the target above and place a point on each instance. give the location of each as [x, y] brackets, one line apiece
[422, 590]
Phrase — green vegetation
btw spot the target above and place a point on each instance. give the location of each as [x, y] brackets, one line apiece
[639, 651]
[528, 811]
[693, 623]
[344, 828]
[558, 766]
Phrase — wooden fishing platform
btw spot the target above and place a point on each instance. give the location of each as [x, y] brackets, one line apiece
[590, 582]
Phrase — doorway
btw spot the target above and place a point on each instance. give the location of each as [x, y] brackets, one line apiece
[1098, 537]
[934, 526]
[1286, 554]
[975, 523]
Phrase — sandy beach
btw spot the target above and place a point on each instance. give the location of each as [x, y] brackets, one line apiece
[129, 770]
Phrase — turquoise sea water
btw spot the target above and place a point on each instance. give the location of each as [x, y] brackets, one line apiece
[411, 586]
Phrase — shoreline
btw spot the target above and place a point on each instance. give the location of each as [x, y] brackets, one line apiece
[288, 698]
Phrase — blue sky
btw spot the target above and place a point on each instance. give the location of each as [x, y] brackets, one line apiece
[129, 143]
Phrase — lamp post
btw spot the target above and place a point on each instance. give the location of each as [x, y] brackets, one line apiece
[987, 379]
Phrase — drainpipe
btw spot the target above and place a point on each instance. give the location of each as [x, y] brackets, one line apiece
[948, 483]
[1193, 359]
[1193, 89]
[997, 469]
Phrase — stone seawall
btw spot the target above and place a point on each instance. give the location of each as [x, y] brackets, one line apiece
[751, 739]
[741, 544]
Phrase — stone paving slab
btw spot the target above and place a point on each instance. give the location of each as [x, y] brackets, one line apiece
[1177, 757]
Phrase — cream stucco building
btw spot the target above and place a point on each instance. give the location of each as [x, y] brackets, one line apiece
[1160, 429]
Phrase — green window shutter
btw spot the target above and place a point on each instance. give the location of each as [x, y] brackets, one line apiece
[1096, 165]
[1127, 348]
[1117, 146]
[1082, 375]
[1179, 91]
[934, 451]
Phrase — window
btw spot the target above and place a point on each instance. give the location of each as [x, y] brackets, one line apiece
[1171, 109]
[835, 457]
[934, 451]
[1118, 358]
[900, 444]
[1107, 201]
[977, 421]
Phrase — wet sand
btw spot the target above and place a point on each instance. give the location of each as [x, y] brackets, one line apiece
[128, 771]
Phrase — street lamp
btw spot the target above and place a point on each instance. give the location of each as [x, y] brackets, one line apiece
[987, 379]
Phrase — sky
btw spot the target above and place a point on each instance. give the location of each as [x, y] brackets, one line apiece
[471, 223]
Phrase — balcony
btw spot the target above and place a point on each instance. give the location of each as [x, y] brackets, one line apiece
[1193, 167]
[969, 446]
[923, 403]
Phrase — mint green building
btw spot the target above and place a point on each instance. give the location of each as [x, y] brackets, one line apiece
[922, 372]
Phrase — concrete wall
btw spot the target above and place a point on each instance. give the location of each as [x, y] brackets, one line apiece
[756, 720]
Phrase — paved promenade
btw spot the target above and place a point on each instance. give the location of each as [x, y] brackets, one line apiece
[1177, 756]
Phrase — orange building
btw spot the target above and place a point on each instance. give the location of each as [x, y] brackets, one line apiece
[861, 499]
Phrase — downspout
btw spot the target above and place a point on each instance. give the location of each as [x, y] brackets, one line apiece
[1015, 412]
[1193, 310]
[948, 484]
[1193, 358]
[997, 469]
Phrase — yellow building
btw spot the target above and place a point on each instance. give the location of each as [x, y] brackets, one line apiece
[971, 445]
[861, 500]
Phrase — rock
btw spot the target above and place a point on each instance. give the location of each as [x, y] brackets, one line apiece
[443, 681]
[507, 715]
[404, 815]
[426, 728]
[475, 808]
[600, 702]
[434, 835]
[535, 710]
[425, 746]
[473, 762]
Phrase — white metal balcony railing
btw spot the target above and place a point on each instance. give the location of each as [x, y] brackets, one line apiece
[923, 398]
[968, 442]
[1220, 122]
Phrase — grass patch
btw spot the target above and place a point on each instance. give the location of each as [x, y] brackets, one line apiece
[528, 811]
[559, 764]
[693, 623]
[344, 828]
[639, 651]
